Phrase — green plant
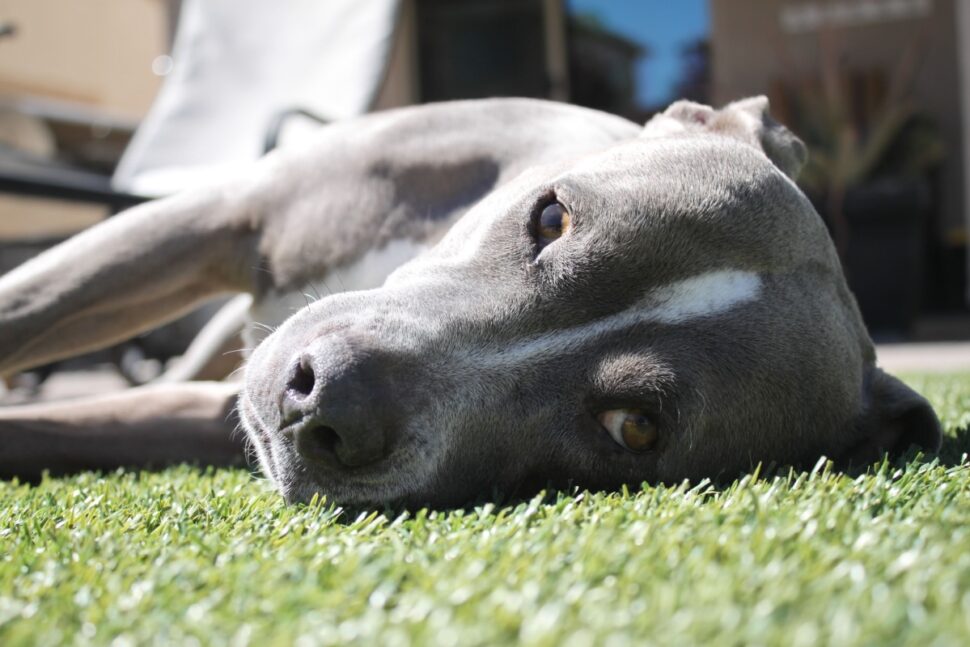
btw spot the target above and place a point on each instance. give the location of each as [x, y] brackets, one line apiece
[857, 130]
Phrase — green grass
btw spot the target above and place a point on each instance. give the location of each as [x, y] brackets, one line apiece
[797, 559]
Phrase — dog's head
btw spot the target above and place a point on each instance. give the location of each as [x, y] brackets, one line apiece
[668, 308]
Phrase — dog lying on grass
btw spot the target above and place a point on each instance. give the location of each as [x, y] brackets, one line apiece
[569, 297]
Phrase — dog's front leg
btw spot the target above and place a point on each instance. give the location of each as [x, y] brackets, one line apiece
[150, 426]
[121, 277]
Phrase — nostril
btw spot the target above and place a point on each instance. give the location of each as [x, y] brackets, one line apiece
[303, 380]
[328, 405]
[317, 442]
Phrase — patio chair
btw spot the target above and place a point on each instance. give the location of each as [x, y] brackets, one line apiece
[240, 70]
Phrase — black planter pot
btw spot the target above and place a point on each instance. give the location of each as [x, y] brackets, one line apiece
[883, 255]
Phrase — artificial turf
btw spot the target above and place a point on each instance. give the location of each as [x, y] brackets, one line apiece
[214, 557]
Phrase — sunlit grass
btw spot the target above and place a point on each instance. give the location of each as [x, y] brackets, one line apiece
[793, 559]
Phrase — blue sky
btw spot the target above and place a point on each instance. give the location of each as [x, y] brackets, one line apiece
[664, 25]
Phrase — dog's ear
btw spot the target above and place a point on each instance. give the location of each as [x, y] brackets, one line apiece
[680, 116]
[747, 120]
[780, 144]
[894, 418]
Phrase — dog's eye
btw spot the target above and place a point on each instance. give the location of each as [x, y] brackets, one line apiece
[631, 428]
[552, 223]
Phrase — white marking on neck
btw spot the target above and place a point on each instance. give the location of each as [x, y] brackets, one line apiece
[367, 272]
[702, 296]
[697, 297]
[371, 269]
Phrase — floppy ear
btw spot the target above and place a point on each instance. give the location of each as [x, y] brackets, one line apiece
[780, 144]
[893, 419]
[747, 120]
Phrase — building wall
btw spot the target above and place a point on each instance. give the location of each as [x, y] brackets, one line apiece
[402, 83]
[98, 53]
[751, 50]
[90, 58]
[963, 42]
[400, 86]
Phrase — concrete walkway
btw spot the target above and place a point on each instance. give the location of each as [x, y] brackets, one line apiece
[926, 357]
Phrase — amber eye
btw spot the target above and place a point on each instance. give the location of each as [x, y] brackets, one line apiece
[552, 223]
[631, 428]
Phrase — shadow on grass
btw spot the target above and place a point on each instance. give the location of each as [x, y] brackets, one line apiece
[955, 447]
[954, 451]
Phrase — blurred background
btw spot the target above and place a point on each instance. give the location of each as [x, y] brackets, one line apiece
[104, 103]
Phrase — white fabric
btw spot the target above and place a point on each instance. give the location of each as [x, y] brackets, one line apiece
[239, 62]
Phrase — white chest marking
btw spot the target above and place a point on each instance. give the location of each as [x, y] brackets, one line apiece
[367, 272]
[373, 268]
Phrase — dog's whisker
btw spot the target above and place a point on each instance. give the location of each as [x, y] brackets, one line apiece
[262, 268]
[343, 288]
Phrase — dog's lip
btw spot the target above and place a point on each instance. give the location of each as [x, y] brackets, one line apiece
[289, 431]
[249, 415]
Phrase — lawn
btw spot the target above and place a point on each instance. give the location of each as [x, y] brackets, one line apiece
[214, 557]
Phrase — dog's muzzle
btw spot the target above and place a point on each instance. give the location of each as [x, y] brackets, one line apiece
[334, 405]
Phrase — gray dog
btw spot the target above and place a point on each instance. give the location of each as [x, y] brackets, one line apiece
[589, 301]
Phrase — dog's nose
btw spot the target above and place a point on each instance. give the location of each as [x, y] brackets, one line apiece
[328, 406]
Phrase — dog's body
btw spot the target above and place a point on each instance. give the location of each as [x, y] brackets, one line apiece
[610, 304]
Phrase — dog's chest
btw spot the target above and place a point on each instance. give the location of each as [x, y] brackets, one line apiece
[367, 272]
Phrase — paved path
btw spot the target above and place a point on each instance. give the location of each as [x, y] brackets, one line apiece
[929, 357]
